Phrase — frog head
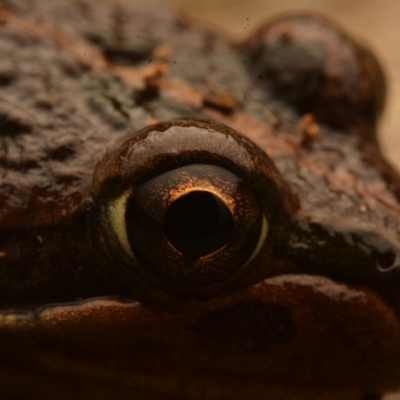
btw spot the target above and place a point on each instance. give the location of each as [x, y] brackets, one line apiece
[219, 223]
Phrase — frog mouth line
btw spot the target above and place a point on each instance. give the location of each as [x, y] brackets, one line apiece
[61, 312]
[282, 319]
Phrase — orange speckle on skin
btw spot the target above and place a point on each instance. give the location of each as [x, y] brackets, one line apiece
[162, 53]
[270, 152]
[3, 15]
[153, 121]
[309, 129]
[154, 71]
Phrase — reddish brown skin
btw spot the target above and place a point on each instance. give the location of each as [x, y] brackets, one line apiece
[320, 323]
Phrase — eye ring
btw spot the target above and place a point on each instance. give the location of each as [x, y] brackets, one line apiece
[117, 215]
[179, 162]
[215, 215]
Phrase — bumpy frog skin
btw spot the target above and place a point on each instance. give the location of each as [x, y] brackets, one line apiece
[120, 125]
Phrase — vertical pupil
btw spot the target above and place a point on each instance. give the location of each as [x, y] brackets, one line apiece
[198, 223]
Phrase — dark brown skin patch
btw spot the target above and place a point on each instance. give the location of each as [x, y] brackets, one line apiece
[160, 347]
[315, 315]
[245, 328]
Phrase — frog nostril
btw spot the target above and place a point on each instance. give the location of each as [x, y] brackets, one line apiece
[198, 223]
[386, 261]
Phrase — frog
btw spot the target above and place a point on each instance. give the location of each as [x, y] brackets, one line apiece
[186, 217]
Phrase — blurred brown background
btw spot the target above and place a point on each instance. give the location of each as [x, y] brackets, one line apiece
[377, 22]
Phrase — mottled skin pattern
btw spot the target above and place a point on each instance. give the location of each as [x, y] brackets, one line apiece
[314, 316]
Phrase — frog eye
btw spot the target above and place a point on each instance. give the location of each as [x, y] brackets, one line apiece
[184, 223]
[187, 205]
